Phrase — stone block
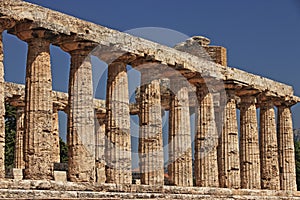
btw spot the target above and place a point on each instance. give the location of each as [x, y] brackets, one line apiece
[17, 174]
[60, 176]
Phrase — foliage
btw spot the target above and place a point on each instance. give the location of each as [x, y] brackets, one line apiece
[10, 134]
[297, 157]
[63, 151]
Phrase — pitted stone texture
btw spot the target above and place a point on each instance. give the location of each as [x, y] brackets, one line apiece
[206, 141]
[81, 127]
[249, 147]
[150, 137]
[100, 150]
[180, 167]
[286, 149]
[229, 166]
[38, 111]
[268, 147]
[19, 155]
[118, 143]
[5, 23]
[56, 149]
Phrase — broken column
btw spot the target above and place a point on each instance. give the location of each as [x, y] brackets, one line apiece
[19, 156]
[268, 145]
[118, 141]
[206, 141]
[5, 23]
[229, 146]
[100, 150]
[81, 126]
[180, 167]
[38, 103]
[56, 148]
[286, 148]
[249, 147]
[150, 137]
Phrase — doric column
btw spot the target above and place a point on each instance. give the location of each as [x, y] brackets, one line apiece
[268, 146]
[81, 126]
[56, 148]
[249, 147]
[100, 148]
[206, 140]
[150, 138]
[286, 148]
[19, 158]
[38, 145]
[4, 24]
[229, 166]
[118, 142]
[180, 168]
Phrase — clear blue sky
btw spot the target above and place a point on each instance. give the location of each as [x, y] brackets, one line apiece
[261, 36]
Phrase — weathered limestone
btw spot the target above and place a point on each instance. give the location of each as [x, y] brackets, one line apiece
[81, 126]
[55, 131]
[118, 141]
[180, 167]
[150, 137]
[286, 148]
[249, 147]
[229, 166]
[268, 145]
[206, 140]
[38, 103]
[19, 156]
[5, 23]
[100, 150]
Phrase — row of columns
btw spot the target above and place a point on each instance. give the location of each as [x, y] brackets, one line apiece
[259, 166]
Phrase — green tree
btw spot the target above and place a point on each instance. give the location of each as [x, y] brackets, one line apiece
[10, 134]
[297, 157]
[63, 151]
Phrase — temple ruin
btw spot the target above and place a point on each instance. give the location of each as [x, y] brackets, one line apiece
[227, 160]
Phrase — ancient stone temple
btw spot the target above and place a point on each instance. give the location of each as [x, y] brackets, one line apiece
[223, 158]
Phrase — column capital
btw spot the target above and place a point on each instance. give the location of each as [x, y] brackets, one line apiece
[6, 23]
[31, 32]
[77, 47]
[248, 99]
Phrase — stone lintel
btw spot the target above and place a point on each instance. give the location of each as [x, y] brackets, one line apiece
[67, 25]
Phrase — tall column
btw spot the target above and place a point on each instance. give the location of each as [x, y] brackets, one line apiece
[286, 148]
[38, 146]
[56, 148]
[19, 156]
[206, 140]
[118, 141]
[229, 146]
[249, 147]
[180, 168]
[268, 146]
[81, 124]
[100, 149]
[150, 138]
[4, 24]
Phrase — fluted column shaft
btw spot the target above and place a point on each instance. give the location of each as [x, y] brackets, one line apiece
[81, 126]
[268, 147]
[56, 149]
[150, 137]
[180, 167]
[229, 146]
[100, 149]
[38, 111]
[118, 142]
[286, 149]
[249, 147]
[4, 24]
[206, 139]
[19, 156]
